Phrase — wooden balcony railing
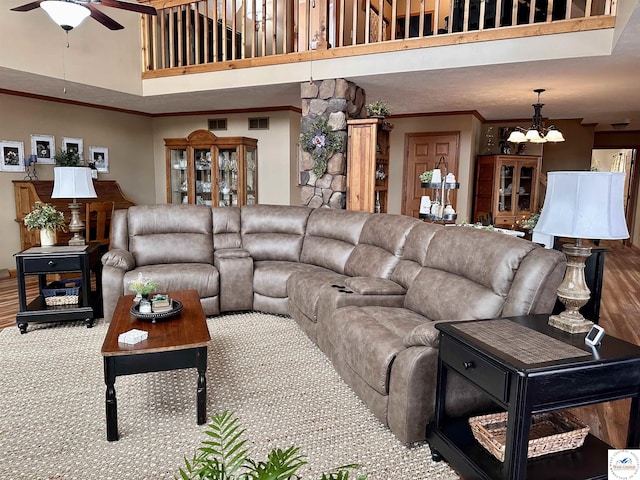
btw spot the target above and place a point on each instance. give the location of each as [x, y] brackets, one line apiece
[206, 35]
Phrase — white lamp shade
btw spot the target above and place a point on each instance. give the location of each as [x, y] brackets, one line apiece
[533, 136]
[517, 137]
[554, 135]
[73, 182]
[65, 14]
[587, 205]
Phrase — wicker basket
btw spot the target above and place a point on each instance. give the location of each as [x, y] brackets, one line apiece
[62, 293]
[549, 433]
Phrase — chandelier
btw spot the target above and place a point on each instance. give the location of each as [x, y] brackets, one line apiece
[536, 133]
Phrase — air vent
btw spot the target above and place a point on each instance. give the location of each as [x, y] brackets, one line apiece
[259, 123]
[217, 124]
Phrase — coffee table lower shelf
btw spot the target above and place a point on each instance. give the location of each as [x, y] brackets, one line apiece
[456, 444]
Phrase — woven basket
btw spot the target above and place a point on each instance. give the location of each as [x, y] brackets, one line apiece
[549, 433]
[62, 293]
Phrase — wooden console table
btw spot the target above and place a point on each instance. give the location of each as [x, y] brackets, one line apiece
[559, 372]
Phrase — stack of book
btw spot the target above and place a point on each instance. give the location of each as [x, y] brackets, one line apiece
[160, 303]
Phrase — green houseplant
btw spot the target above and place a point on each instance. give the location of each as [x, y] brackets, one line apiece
[224, 457]
[142, 286]
[66, 158]
[47, 219]
[378, 108]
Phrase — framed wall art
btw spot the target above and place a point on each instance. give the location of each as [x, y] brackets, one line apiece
[73, 145]
[99, 156]
[44, 148]
[12, 154]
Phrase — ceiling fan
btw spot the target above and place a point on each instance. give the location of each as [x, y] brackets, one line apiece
[69, 13]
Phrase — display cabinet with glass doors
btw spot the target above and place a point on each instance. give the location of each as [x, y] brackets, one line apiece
[506, 188]
[204, 169]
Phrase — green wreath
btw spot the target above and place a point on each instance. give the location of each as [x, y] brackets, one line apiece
[321, 142]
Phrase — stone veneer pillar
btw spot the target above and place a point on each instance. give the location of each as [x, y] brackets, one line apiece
[337, 100]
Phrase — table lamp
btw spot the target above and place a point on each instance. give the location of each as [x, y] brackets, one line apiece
[581, 205]
[74, 182]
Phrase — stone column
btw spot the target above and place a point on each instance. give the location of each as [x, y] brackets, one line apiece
[337, 101]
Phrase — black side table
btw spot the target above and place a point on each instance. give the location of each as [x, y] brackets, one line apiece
[528, 367]
[41, 261]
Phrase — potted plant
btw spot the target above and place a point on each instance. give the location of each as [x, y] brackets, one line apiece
[66, 158]
[223, 457]
[47, 219]
[142, 286]
[378, 109]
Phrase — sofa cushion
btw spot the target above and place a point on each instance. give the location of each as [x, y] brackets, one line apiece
[369, 338]
[415, 252]
[270, 277]
[226, 227]
[380, 246]
[331, 236]
[442, 295]
[183, 235]
[488, 258]
[180, 276]
[273, 232]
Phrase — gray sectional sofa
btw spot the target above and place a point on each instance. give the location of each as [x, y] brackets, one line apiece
[366, 288]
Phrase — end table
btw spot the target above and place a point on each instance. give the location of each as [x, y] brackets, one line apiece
[528, 367]
[42, 261]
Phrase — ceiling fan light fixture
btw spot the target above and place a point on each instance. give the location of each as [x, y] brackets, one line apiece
[67, 15]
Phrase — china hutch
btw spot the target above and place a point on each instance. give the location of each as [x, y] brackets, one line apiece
[506, 188]
[205, 169]
[368, 165]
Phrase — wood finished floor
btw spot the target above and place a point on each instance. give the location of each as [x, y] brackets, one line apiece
[619, 316]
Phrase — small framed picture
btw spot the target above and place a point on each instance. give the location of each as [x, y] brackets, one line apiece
[44, 148]
[73, 145]
[12, 156]
[99, 157]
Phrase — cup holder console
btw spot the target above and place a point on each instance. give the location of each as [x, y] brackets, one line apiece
[341, 288]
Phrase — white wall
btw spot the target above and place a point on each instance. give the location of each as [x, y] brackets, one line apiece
[128, 138]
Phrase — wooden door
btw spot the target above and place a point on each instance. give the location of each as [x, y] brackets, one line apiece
[422, 152]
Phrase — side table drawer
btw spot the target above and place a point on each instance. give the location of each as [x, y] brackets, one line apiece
[51, 264]
[474, 367]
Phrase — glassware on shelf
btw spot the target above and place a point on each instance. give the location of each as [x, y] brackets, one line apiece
[377, 207]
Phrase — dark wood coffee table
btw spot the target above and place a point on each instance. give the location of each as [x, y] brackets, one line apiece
[180, 342]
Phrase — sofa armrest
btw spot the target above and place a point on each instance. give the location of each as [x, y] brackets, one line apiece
[425, 334]
[120, 259]
[230, 253]
[374, 286]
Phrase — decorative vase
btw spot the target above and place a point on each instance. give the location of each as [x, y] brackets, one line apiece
[47, 237]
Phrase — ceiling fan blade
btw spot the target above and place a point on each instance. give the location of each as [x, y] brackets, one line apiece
[134, 7]
[27, 7]
[105, 20]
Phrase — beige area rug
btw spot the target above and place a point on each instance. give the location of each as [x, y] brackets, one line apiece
[262, 367]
